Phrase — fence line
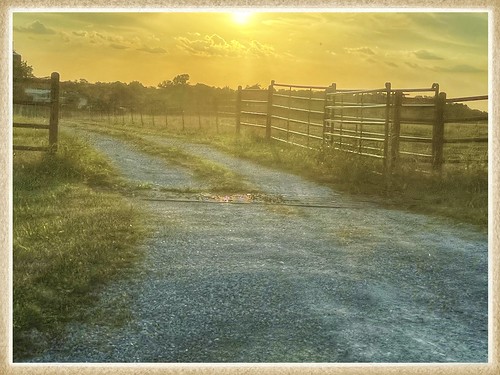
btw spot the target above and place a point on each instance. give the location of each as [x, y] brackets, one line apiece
[387, 124]
[53, 104]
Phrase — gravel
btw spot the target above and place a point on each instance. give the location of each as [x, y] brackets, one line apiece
[285, 282]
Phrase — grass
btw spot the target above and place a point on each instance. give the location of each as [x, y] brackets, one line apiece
[219, 178]
[461, 193]
[72, 234]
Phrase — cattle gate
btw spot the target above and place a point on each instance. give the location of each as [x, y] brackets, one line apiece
[395, 126]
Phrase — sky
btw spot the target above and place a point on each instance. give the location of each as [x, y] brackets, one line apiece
[352, 49]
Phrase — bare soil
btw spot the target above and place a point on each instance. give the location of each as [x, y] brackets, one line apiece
[302, 275]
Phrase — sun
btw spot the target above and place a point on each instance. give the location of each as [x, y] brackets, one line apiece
[241, 17]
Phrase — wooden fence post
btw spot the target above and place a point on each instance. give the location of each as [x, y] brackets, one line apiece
[216, 109]
[386, 127]
[238, 110]
[54, 111]
[269, 117]
[328, 113]
[438, 133]
[198, 113]
[396, 129]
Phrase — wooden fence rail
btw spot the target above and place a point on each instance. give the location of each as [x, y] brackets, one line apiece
[392, 125]
[53, 125]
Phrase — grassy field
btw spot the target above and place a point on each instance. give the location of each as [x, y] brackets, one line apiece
[461, 193]
[74, 231]
[72, 234]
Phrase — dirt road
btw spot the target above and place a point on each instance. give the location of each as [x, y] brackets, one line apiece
[316, 278]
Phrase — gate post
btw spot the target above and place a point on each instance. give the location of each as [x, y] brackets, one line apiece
[54, 111]
[386, 127]
[438, 133]
[328, 113]
[396, 129]
[238, 110]
[269, 110]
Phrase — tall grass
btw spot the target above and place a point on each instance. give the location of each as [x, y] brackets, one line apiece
[459, 193]
[219, 178]
[72, 234]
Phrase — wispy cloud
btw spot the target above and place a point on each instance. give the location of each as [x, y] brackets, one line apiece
[118, 46]
[360, 50]
[80, 33]
[426, 55]
[461, 68]
[214, 45]
[412, 65]
[36, 27]
[152, 50]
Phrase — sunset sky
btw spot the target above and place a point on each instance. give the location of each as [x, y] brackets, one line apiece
[354, 49]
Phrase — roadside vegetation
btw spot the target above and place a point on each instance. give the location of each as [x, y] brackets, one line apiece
[459, 194]
[72, 233]
[220, 179]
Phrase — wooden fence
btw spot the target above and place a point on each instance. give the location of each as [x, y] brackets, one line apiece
[52, 103]
[163, 115]
[399, 127]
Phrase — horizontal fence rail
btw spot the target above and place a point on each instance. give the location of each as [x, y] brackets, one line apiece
[52, 102]
[396, 126]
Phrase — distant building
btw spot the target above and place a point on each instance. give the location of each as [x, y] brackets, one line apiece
[16, 58]
[38, 95]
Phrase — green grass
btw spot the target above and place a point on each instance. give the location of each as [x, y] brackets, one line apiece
[219, 178]
[461, 193]
[72, 234]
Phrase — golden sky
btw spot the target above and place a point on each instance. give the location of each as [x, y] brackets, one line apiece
[354, 50]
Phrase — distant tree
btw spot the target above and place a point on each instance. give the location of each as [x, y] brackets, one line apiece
[181, 79]
[165, 84]
[22, 69]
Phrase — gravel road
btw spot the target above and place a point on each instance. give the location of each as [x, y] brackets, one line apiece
[316, 278]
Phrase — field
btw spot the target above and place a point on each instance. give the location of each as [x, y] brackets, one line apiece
[67, 204]
[73, 232]
[462, 185]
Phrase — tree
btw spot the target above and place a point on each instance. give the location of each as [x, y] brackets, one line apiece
[22, 69]
[165, 84]
[181, 79]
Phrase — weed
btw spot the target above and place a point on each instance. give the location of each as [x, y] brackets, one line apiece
[71, 235]
[460, 193]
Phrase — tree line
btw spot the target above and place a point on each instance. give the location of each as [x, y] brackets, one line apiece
[174, 94]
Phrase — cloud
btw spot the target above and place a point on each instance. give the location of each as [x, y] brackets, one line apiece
[361, 50]
[461, 68]
[80, 33]
[426, 55]
[152, 50]
[118, 46]
[412, 65]
[214, 45]
[36, 27]
[390, 63]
